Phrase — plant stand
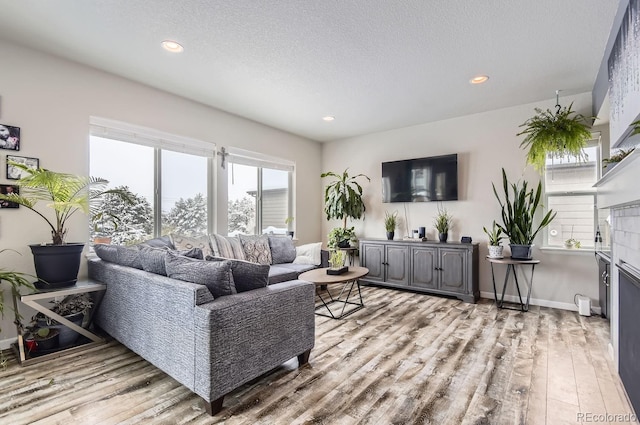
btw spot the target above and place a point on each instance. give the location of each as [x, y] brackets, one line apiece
[511, 264]
[90, 338]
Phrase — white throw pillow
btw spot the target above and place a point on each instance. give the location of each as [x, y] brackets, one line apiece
[309, 254]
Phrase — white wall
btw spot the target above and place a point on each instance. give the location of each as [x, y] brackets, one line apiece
[51, 100]
[485, 143]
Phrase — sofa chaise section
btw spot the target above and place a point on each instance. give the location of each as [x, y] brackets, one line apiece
[211, 346]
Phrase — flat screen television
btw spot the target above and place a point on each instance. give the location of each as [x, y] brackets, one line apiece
[427, 179]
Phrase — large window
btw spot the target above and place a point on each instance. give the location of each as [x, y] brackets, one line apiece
[168, 180]
[259, 194]
[570, 193]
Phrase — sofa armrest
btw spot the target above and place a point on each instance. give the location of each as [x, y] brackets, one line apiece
[242, 336]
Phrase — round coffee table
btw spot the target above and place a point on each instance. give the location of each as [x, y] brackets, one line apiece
[349, 280]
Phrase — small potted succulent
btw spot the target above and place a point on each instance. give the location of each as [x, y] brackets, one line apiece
[495, 236]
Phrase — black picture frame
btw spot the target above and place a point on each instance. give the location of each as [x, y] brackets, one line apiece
[9, 137]
[6, 189]
[15, 173]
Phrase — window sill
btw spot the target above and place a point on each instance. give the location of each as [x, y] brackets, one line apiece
[569, 251]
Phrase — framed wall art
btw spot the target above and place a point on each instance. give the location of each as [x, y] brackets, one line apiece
[9, 137]
[15, 173]
[7, 189]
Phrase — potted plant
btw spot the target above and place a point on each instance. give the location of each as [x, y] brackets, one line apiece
[73, 308]
[343, 198]
[555, 134]
[619, 156]
[443, 222]
[572, 243]
[341, 238]
[289, 222]
[45, 338]
[57, 264]
[336, 263]
[518, 216]
[495, 236]
[16, 280]
[390, 223]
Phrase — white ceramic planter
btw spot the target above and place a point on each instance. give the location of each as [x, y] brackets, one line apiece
[495, 251]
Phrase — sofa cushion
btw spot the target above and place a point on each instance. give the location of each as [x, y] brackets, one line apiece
[246, 275]
[256, 248]
[310, 254]
[123, 255]
[279, 274]
[152, 259]
[282, 249]
[226, 247]
[215, 275]
[298, 268]
[161, 242]
[182, 243]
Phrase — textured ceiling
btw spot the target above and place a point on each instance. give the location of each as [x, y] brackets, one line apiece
[373, 64]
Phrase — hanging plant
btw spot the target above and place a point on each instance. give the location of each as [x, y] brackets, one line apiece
[559, 134]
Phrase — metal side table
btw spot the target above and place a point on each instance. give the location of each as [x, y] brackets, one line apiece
[512, 265]
[31, 300]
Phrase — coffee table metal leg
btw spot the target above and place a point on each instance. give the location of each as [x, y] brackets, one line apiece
[350, 285]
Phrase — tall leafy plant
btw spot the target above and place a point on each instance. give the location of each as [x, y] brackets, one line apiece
[556, 134]
[343, 197]
[65, 193]
[518, 211]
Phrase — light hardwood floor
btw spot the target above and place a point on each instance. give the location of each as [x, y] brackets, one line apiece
[405, 358]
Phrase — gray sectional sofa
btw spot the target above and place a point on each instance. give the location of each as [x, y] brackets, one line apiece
[211, 345]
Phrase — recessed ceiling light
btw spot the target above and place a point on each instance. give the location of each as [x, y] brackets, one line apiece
[479, 79]
[172, 46]
[328, 118]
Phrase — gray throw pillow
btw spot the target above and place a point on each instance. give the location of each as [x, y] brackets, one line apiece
[215, 275]
[152, 259]
[282, 249]
[246, 275]
[256, 248]
[118, 254]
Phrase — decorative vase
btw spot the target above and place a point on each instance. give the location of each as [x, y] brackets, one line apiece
[290, 234]
[57, 266]
[443, 236]
[495, 251]
[521, 252]
[390, 235]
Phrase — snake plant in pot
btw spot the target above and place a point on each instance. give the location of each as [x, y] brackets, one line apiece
[518, 214]
[57, 264]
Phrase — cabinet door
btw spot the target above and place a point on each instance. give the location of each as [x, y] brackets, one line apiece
[423, 268]
[397, 264]
[453, 266]
[372, 257]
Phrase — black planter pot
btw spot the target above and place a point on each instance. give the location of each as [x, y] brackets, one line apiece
[443, 237]
[57, 266]
[344, 244]
[67, 336]
[49, 342]
[521, 252]
[390, 235]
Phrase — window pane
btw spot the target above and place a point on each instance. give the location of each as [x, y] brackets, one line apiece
[184, 194]
[567, 174]
[574, 219]
[126, 166]
[275, 201]
[243, 193]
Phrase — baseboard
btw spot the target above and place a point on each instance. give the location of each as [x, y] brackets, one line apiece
[5, 344]
[541, 303]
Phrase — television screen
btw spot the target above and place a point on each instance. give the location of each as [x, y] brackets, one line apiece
[433, 178]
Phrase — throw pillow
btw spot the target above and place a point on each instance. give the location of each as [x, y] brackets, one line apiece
[246, 275]
[161, 242]
[227, 247]
[310, 250]
[215, 275]
[152, 259]
[183, 243]
[256, 248]
[118, 254]
[282, 249]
